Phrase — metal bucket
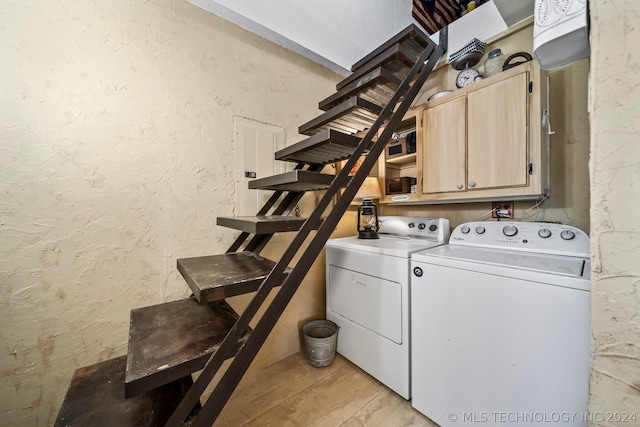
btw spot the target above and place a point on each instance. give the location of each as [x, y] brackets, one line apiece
[320, 339]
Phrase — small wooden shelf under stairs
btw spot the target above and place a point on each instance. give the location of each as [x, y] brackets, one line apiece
[152, 384]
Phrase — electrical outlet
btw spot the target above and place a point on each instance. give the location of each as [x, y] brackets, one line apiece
[502, 210]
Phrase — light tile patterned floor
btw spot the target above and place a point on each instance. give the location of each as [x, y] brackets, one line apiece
[292, 393]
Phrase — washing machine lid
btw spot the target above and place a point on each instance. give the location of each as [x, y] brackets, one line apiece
[397, 246]
[526, 261]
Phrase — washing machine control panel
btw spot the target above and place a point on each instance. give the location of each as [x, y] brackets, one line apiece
[526, 236]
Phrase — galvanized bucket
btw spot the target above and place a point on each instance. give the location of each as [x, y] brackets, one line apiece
[320, 340]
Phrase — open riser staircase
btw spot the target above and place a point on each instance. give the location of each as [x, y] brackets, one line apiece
[152, 385]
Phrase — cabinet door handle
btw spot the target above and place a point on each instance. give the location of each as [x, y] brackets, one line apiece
[472, 184]
[459, 186]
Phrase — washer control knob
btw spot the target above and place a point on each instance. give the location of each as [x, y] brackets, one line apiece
[544, 233]
[418, 271]
[422, 226]
[433, 227]
[509, 230]
[480, 229]
[465, 229]
[567, 234]
[411, 225]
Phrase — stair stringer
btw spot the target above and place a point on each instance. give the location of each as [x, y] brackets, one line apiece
[290, 283]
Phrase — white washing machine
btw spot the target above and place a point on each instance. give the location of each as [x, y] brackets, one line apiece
[501, 327]
[368, 295]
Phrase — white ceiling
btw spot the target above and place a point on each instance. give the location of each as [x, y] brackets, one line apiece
[338, 33]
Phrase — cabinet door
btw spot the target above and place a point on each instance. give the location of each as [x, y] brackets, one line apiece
[444, 147]
[497, 134]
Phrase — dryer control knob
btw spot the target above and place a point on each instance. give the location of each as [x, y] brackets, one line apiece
[465, 229]
[544, 233]
[422, 226]
[433, 227]
[418, 271]
[509, 230]
[411, 225]
[480, 229]
[567, 234]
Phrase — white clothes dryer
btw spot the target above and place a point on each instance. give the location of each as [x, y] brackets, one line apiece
[368, 295]
[501, 327]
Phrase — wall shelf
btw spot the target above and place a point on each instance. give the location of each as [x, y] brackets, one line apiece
[402, 160]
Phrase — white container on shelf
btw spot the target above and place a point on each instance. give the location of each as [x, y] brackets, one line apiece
[493, 64]
[560, 32]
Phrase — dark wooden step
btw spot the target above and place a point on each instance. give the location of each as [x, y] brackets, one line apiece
[172, 340]
[351, 116]
[216, 277]
[328, 146]
[377, 86]
[411, 37]
[263, 224]
[398, 60]
[295, 180]
[96, 397]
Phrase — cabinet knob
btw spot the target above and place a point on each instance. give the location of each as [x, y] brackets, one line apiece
[472, 184]
[459, 186]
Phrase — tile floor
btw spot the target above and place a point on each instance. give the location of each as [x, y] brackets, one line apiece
[292, 393]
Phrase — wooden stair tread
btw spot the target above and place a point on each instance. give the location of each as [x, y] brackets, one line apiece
[328, 146]
[351, 116]
[411, 37]
[398, 60]
[295, 180]
[377, 86]
[262, 224]
[96, 397]
[172, 340]
[216, 277]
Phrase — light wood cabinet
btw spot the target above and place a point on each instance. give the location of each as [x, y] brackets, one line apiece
[497, 143]
[483, 142]
[444, 147]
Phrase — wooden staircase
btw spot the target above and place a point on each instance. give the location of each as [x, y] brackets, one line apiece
[152, 385]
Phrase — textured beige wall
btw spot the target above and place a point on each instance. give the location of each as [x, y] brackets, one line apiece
[115, 158]
[615, 224]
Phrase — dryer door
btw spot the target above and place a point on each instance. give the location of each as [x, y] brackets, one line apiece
[371, 302]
